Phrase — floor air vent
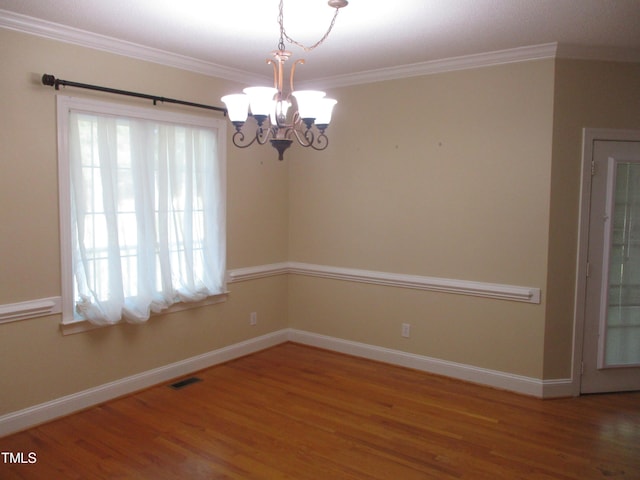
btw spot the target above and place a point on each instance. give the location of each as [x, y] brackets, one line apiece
[183, 383]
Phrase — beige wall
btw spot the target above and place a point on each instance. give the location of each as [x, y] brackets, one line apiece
[588, 94]
[470, 175]
[40, 364]
[443, 175]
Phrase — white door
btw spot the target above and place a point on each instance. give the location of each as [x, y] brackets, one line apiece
[611, 336]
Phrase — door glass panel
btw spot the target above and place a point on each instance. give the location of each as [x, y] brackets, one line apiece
[622, 344]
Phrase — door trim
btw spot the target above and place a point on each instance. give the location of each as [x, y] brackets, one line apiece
[589, 136]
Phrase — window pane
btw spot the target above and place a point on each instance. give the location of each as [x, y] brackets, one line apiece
[623, 318]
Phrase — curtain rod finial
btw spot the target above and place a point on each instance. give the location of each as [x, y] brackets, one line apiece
[49, 80]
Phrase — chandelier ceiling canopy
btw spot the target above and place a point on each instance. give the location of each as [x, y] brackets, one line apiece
[280, 115]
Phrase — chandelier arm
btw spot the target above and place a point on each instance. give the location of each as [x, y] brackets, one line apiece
[238, 140]
[310, 136]
[309, 139]
[275, 72]
[303, 137]
[293, 72]
[261, 137]
[322, 142]
[280, 79]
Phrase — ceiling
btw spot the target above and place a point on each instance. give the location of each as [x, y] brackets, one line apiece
[232, 38]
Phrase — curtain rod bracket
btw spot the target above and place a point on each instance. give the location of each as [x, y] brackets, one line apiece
[52, 81]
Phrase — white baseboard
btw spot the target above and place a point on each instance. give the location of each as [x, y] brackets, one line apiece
[560, 388]
[44, 412]
[505, 381]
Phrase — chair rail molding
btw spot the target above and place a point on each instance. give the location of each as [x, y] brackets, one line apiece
[12, 312]
[419, 282]
[53, 305]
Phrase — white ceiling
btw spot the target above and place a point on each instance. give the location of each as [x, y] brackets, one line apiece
[234, 37]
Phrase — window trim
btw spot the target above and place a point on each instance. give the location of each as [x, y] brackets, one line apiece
[80, 326]
[64, 104]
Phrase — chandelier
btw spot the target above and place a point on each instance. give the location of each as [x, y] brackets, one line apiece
[281, 116]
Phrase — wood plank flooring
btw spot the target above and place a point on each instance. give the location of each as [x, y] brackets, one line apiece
[297, 412]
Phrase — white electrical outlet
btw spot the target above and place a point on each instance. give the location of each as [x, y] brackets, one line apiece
[253, 318]
[406, 330]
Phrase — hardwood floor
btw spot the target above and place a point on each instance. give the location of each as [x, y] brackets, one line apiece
[297, 412]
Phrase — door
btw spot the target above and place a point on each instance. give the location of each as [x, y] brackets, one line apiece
[611, 336]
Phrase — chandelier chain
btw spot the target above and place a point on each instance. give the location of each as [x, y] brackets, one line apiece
[283, 33]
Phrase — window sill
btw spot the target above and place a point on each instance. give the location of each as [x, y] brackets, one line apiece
[71, 328]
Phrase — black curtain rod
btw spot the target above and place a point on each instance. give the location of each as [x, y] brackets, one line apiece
[52, 81]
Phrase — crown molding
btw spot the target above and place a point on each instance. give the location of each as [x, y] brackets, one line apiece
[500, 57]
[55, 31]
[83, 38]
[599, 53]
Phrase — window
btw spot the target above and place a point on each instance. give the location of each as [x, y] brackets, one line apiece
[142, 199]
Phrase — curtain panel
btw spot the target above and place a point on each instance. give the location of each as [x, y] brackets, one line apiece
[147, 216]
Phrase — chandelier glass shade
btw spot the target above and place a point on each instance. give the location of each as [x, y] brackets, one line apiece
[283, 116]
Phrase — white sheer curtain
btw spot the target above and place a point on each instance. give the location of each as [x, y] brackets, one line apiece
[147, 216]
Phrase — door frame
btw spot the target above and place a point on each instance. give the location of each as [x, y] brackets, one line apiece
[589, 136]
